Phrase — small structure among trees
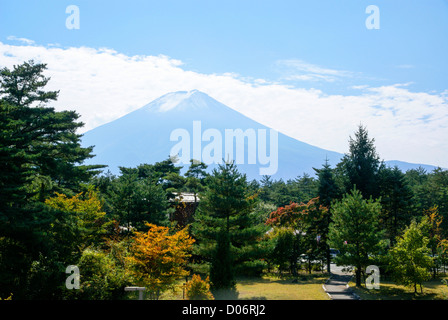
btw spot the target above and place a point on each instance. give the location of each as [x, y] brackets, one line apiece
[185, 205]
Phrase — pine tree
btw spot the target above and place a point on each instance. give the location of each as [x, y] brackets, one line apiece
[305, 188]
[327, 188]
[355, 231]
[395, 200]
[22, 86]
[136, 201]
[40, 153]
[196, 175]
[224, 225]
[266, 188]
[433, 191]
[222, 271]
[362, 164]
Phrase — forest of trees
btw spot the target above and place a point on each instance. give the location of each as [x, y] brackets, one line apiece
[119, 229]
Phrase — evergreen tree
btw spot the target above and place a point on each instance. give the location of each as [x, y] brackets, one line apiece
[284, 253]
[167, 174]
[39, 148]
[416, 177]
[222, 271]
[361, 165]
[23, 85]
[152, 204]
[305, 188]
[40, 153]
[395, 200]
[225, 227]
[136, 201]
[316, 232]
[355, 231]
[195, 178]
[327, 188]
[266, 185]
[280, 193]
[433, 191]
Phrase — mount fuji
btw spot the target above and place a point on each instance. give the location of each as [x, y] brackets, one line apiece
[192, 125]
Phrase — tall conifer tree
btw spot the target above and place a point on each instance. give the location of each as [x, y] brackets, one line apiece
[362, 164]
[40, 153]
[225, 225]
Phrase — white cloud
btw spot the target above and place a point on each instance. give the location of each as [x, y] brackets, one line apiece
[102, 85]
[23, 40]
[405, 66]
[294, 69]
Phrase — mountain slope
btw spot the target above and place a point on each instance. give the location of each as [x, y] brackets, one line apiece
[194, 125]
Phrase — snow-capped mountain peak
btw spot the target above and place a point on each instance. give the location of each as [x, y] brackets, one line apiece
[204, 128]
[173, 100]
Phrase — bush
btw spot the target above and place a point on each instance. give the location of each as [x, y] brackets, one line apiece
[198, 289]
[100, 277]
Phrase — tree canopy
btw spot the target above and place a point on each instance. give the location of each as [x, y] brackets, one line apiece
[125, 229]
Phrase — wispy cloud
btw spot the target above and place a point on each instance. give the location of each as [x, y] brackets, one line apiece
[102, 85]
[23, 40]
[294, 69]
[405, 66]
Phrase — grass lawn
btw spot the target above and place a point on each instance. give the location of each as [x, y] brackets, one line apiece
[432, 290]
[273, 288]
[308, 287]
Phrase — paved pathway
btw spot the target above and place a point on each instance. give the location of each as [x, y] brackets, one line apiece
[336, 287]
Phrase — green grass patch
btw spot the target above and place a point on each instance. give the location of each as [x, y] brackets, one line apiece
[269, 287]
[307, 287]
[432, 290]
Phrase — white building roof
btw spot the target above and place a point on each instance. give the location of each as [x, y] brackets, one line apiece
[186, 197]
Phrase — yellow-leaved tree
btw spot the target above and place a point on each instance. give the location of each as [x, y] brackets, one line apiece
[158, 258]
[84, 216]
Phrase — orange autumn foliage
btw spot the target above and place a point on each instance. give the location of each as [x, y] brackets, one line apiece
[198, 289]
[158, 257]
[295, 213]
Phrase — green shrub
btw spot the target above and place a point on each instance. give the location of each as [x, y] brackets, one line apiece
[100, 277]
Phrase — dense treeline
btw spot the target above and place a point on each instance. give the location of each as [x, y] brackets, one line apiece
[131, 229]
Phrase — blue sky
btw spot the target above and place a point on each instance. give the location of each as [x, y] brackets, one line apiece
[320, 45]
[248, 37]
